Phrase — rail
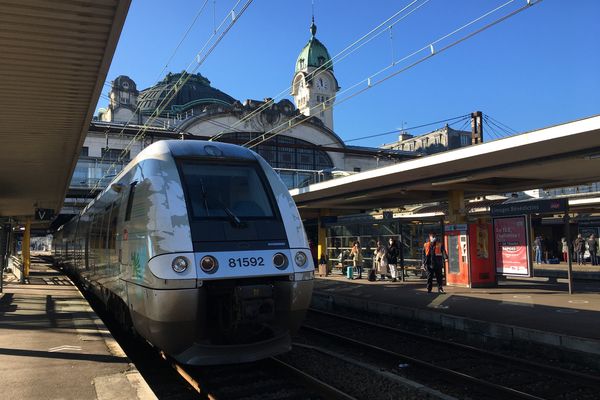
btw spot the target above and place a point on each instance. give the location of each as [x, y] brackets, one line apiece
[586, 380]
[287, 373]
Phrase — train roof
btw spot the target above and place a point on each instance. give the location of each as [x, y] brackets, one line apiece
[183, 149]
[202, 148]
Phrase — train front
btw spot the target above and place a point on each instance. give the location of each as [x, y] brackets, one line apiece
[252, 261]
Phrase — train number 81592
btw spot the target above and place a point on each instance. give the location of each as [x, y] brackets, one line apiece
[246, 262]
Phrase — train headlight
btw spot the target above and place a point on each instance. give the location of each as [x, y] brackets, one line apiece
[180, 264]
[280, 261]
[213, 151]
[209, 264]
[300, 259]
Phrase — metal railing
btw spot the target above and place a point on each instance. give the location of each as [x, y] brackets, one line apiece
[91, 172]
[297, 178]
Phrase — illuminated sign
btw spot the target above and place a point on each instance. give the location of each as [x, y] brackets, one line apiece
[510, 246]
[552, 206]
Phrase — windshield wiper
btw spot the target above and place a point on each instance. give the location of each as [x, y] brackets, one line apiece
[235, 221]
[204, 198]
[232, 217]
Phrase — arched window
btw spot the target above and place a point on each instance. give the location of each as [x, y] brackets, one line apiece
[285, 151]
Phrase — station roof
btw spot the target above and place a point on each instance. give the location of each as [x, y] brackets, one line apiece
[55, 57]
[558, 156]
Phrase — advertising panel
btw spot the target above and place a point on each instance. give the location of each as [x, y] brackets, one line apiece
[510, 242]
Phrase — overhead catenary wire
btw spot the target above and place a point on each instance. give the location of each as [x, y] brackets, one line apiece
[138, 107]
[491, 130]
[185, 76]
[198, 60]
[459, 118]
[369, 80]
[503, 130]
[347, 51]
[502, 124]
[186, 33]
[465, 124]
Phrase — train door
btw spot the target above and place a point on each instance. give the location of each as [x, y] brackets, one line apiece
[87, 232]
[113, 242]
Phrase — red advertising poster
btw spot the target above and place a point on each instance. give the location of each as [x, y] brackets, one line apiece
[510, 242]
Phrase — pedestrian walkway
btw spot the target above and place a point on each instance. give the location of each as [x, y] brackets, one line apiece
[529, 309]
[53, 345]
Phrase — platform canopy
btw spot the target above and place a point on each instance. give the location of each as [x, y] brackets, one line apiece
[558, 156]
[54, 57]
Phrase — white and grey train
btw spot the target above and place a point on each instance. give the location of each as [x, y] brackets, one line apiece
[199, 247]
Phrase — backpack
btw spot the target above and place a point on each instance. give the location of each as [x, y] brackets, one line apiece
[372, 276]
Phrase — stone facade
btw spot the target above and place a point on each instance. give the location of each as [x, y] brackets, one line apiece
[303, 150]
[442, 139]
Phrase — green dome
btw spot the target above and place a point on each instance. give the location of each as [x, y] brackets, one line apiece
[195, 91]
[314, 54]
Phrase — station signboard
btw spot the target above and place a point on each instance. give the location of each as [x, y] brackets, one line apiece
[511, 249]
[550, 206]
[44, 214]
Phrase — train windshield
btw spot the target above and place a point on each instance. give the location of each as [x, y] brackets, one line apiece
[226, 191]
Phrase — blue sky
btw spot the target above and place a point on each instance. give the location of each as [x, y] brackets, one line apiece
[538, 68]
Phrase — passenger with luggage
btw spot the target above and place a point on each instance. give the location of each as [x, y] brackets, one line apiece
[357, 260]
[394, 256]
[434, 255]
[380, 261]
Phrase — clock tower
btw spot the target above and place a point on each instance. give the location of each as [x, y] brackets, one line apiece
[314, 86]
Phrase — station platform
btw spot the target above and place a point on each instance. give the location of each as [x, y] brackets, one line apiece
[53, 345]
[518, 309]
[585, 272]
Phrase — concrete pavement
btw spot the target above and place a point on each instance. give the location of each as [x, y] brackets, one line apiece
[53, 346]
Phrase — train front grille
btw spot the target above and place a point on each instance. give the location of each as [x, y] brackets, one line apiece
[240, 313]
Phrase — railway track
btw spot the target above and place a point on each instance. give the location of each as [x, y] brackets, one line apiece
[269, 379]
[478, 371]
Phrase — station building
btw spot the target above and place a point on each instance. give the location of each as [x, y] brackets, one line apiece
[443, 139]
[303, 153]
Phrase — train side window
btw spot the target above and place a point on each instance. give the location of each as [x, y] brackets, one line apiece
[130, 201]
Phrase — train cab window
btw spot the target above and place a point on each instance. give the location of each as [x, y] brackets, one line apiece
[225, 191]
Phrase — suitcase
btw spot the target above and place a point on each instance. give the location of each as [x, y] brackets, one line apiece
[372, 275]
[322, 270]
[350, 272]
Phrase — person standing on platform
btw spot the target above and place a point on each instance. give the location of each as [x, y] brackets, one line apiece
[579, 247]
[593, 249]
[538, 249]
[565, 249]
[357, 259]
[380, 260]
[433, 261]
[394, 255]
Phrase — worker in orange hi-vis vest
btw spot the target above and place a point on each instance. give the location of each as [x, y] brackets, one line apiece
[434, 255]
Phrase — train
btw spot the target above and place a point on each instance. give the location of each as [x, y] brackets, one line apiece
[198, 247]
